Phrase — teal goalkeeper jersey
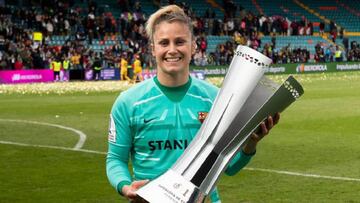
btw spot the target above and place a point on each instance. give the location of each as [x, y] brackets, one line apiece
[151, 125]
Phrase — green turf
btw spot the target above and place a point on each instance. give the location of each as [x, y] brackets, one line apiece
[319, 134]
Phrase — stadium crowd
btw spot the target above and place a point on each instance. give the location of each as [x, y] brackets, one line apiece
[81, 26]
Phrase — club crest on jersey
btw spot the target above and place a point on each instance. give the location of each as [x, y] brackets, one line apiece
[202, 115]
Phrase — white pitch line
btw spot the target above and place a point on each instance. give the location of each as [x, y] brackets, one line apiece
[303, 174]
[51, 147]
[246, 168]
[82, 136]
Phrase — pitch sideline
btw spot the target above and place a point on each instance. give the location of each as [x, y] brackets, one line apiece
[246, 168]
[79, 144]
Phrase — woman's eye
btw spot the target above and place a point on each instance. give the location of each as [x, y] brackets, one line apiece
[163, 43]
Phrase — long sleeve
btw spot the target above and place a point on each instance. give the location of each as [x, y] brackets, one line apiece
[238, 162]
[119, 145]
[117, 168]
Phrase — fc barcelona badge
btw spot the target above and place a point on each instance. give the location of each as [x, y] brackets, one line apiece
[202, 115]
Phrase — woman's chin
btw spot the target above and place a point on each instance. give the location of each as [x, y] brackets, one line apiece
[173, 69]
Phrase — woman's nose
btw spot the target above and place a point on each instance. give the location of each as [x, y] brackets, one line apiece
[172, 47]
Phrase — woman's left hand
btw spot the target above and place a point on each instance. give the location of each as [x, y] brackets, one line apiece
[264, 129]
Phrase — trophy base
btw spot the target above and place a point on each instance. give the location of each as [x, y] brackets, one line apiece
[171, 188]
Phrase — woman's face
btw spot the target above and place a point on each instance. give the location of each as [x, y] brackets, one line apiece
[172, 47]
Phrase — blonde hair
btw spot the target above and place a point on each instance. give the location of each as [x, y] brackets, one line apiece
[170, 14]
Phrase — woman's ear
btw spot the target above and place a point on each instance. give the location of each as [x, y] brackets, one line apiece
[152, 49]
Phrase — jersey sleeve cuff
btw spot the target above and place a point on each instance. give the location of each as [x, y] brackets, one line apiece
[121, 185]
[247, 155]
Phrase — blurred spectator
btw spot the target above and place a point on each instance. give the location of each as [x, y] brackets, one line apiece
[354, 52]
[203, 45]
[333, 30]
[18, 64]
[96, 66]
[284, 27]
[56, 66]
[230, 8]
[38, 62]
[321, 28]
[345, 42]
[328, 55]
[338, 54]
[200, 58]
[75, 60]
[66, 67]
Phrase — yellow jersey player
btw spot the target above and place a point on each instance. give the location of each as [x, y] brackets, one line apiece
[123, 68]
[137, 69]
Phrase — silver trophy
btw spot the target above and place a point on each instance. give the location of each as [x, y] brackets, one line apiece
[245, 99]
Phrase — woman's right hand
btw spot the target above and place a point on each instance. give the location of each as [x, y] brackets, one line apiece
[129, 191]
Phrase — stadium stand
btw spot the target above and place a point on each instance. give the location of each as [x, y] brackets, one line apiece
[337, 11]
[287, 9]
[214, 41]
[305, 42]
[109, 28]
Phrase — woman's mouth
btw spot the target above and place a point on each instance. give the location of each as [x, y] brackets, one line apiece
[172, 59]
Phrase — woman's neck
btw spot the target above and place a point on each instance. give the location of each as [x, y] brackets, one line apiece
[173, 80]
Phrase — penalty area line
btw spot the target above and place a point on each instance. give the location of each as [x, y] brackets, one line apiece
[82, 136]
[52, 147]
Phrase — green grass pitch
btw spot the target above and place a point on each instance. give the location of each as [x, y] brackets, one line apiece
[313, 155]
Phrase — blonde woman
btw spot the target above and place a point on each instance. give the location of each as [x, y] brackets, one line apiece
[152, 123]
